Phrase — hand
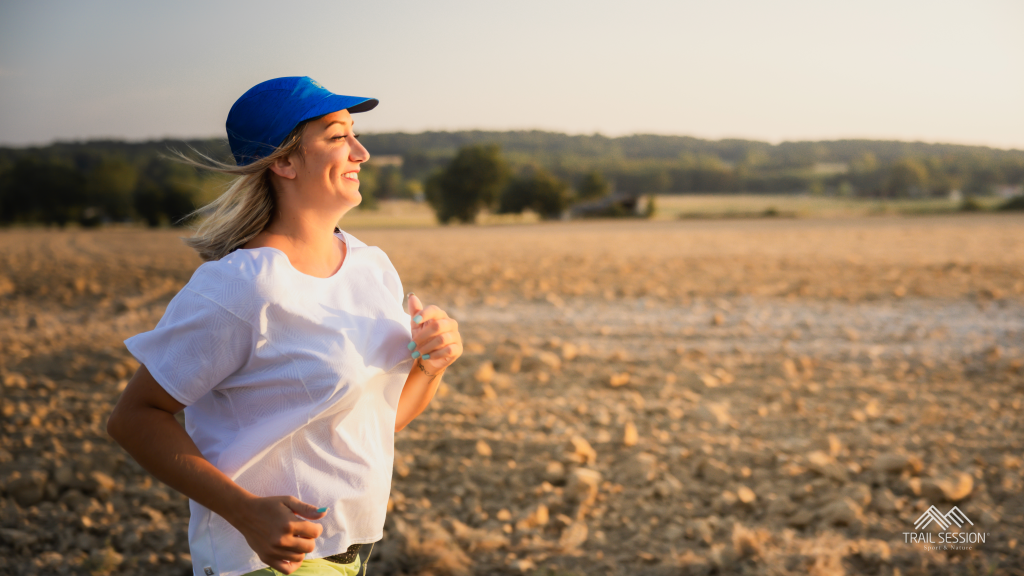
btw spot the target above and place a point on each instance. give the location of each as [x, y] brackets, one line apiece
[435, 336]
[276, 534]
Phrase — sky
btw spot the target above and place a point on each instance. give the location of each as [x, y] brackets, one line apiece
[934, 71]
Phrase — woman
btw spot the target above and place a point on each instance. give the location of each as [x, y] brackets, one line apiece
[288, 350]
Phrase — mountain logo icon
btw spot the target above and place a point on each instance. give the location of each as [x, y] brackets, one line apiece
[932, 514]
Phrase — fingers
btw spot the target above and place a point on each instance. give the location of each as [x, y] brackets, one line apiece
[432, 327]
[295, 545]
[442, 357]
[414, 304]
[285, 566]
[429, 313]
[306, 530]
[303, 509]
[433, 345]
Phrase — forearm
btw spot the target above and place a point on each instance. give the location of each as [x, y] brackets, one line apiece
[160, 445]
[417, 393]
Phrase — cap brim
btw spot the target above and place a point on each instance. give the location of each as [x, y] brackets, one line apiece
[336, 102]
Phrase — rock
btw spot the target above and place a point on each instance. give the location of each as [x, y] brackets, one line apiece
[428, 546]
[874, 551]
[582, 451]
[701, 529]
[573, 536]
[646, 466]
[485, 372]
[746, 495]
[478, 539]
[620, 379]
[27, 488]
[584, 484]
[630, 435]
[780, 506]
[802, 518]
[714, 412]
[569, 351]
[728, 498]
[859, 493]
[714, 471]
[823, 463]
[103, 481]
[64, 476]
[550, 359]
[894, 463]
[17, 538]
[483, 449]
[555, 472]
[539, 517]
[884, 501]
[842, 512]
[746, 542]
[952, 488]
[104, 560]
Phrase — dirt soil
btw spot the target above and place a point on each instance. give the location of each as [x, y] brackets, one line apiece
[726, 397]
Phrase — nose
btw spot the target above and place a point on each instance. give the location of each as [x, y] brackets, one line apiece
[358, 152]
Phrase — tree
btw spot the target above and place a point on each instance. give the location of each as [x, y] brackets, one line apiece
[470, 182]
[592, 186]
[906, 177]
[165, 193]
[37, 192]
[369, 186]
[108, 190]
[537, 190]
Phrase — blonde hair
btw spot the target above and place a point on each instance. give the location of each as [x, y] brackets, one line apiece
[244, 209]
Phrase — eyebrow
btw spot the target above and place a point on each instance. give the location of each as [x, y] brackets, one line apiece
[352, 122]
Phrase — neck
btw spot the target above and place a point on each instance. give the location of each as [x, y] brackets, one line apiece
[311, 231]
[307, 238]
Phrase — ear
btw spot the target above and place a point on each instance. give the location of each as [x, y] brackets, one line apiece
[284, 167]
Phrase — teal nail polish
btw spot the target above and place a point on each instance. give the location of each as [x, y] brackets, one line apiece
[426, 356]
[418, 318]
[416, 354]
[321, 510]
[412, 345]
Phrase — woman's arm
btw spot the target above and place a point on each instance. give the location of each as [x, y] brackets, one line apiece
[436, 345]
[143, 423]
[419, 390]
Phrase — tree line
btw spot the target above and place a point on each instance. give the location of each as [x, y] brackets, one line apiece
[460, 173]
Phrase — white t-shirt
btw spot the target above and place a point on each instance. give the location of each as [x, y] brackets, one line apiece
[291, 384]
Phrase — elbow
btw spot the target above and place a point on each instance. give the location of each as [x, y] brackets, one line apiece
[114, 425]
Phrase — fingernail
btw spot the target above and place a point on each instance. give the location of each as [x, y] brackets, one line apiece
[416, 354]
[410, 294]
[321, 510]
[418, 318]
[426, 356]
[412, 345]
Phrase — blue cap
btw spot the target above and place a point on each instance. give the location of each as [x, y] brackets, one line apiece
[263, 117]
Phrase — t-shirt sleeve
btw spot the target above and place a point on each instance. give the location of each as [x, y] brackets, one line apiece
[194, 347]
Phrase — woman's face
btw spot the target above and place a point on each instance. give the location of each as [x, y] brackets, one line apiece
[328, 170]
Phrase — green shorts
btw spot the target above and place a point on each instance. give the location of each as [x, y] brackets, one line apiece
[316, 567]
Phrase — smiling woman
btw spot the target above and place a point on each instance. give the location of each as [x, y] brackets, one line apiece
[289, 351]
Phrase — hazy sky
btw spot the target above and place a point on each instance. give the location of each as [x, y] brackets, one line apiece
[782, 70]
